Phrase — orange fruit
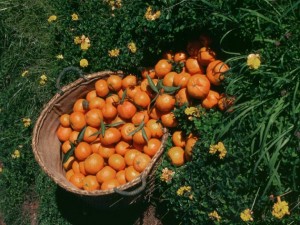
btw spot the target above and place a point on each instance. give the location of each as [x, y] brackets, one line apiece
[180, 56]
[109, 112]
[141, 99]
[176, 155]
[120, 176]
[93, 163]
[64, 120]
[178, 139]
[69, 173]
[205, 56]
[152, 147]
[66, 146]
[117, 162]
[198, 86]
[68, 164]
[81, 105]
[90, 183]
[101, 88]
[131, 173]
[94, 117]
[74, 136]
[95, 145]
[225, 102]
[193, 67]
[77, 180]
[165, 103]
[211, 100]
[181, 79]
[169, 55]
[114, 83]
[63, 133]
[141, 161]
[96, 103]
[182, 97]
[188, 149]
[215, 72]
[162, 67]
[155, 128]
[112, 99]
[138, 137]
[169, 79]
[122, 147]
[110, 184]
[81, 168]
[106, 151]
[126, 110]
[169, 120]
[138, 147]
[77, 121]
[126, 129]
[130, 155]
[139, 117]
[131, 91]
[111, 136]
[129, 81]
[75, 166]
[82, 151]
[155, 113]
[106, 173]
[148, 71]
[90, 134]
[90, 95]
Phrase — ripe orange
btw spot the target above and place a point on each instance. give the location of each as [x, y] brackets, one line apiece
[176, 155]
[120, 176]
[96, 103]
[74, 136]
[131, 91]
[122, 147]
[81, 168]
[95, 145]
[64, 120]
[215, 72]
[155, 113]
[169, 79]
[111, 136]
[182, 97]
[101, 88]
[129, 81]
[225, 102]
[152, 147]
[109, 112]
[77, 180]
[148, 71]
[75, 166]
[138, 137]
[81, 105]
[141, 161]
[139, 117]
[114, 83]
[162, 67]
[90, 134]
[69, 173]
[117, 162]
[165, 103]
[169, 120]
[131, 173]
[126, 110]
[93, 163]
[94, 117]
[66, 146]
[188, 150]
[126, 129]
[181, 79]
[110, 184]
[106, 151]
[198, 86]
[193, 66]
[130, 155]
[155, 128]
[82, 151]
[112, 99]
[211, 100]
[68, 164]
[205, 56]
[77, 121]
[142, 99]
[90, 183]
[180, 56]
[90, 95]
[106, 173]
[178, 139]
[63, 133]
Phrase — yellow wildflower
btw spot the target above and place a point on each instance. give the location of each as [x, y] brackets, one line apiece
[214, 216]
[25, 73]
[16, 154]
[74, 17]
[43, 79]
[246, 215]
[253, 61]
[213, 149]
[85, 43]
[83, 63]
[132, 47]
[183, 190]
[60, 56]
[167, 175]
[52, 18]
[114, 53]
[77, 40]
[150, 15]
[26, 122]
[192, 111]
[280, 209]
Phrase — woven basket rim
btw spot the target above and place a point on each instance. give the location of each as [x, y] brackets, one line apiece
[51, 174]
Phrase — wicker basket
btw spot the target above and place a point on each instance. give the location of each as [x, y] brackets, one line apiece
[46, 148]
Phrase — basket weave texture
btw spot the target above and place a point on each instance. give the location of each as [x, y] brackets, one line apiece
[46, 147]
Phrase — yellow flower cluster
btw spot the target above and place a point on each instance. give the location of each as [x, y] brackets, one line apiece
[60, 56]
[150, 15]
[25, 73]
[184, 189]
[84, 42]
[220, 148]
[253, 61]
[114, 52]
[43, 79]
[192, 111]
[74, 17]
[132, 47]
[214, 216]
[52, 18]
[16, 154]
[280, 209]
[114, 4]
[26, 122]
[246, 215]
[83, 63]
[167, 175]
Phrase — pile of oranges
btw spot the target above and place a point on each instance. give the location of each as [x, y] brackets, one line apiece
[113, 133]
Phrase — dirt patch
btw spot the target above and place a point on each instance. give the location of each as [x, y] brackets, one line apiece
[29, 210]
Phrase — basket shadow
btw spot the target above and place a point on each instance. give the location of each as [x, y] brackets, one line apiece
[79, 212]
